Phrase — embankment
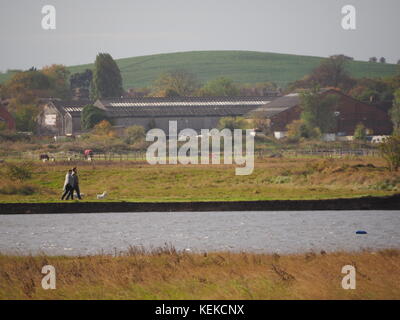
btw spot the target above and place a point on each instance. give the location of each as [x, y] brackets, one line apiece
[363, 203]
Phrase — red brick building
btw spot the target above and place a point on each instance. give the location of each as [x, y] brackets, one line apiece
[6, 117]
[349, 113]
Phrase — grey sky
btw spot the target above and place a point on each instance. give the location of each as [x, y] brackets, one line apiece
[133, 28]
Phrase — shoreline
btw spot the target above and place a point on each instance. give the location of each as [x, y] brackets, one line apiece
[362, 203]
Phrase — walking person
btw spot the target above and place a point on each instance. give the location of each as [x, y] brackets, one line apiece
[75, 183]
[68, 186]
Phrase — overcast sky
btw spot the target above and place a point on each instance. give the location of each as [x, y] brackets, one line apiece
[126, 28]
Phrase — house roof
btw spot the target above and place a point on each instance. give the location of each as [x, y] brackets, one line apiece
[181, 106]
[74, 107]
[276, 106]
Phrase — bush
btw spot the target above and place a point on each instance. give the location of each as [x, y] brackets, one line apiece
[21, 172]
[134, 134]
[390, 151]
[360, 132]
[16, 188]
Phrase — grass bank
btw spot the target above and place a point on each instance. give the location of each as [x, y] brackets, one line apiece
[167, 274]
[272, 179]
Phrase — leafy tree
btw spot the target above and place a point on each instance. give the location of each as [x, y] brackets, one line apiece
[222, 87]
[177, 83]
[394, 113]
[134, 134]
[360, 132]
[107, 80]
[25, 118]
[372, 90]
[91, 116]
[81, 79]
[298, 129]
[373, 59]
[382, 60]
[58, 75]
[233, 123]
[390, 151]
[318, 110]
[330, 73]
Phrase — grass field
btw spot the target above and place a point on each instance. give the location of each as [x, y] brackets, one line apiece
[167, 274]
[272, 178]
[241, 66]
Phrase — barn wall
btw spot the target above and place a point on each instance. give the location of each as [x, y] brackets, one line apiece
[352, 112]
[50, 121]
[196, 123]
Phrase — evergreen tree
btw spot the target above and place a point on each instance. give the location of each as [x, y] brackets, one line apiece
[107, 80]
[91, 116]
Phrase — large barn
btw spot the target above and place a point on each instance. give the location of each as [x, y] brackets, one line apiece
[61, 118]
[349, 113]
[64, 117]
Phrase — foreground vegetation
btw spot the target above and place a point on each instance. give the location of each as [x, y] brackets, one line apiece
[272, 178]
[167, 274]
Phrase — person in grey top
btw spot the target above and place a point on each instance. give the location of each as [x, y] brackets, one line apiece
[75, 183]
[68, 186]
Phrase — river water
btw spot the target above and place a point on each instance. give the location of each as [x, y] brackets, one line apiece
[281, 232]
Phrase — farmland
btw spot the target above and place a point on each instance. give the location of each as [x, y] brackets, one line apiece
[241, 66]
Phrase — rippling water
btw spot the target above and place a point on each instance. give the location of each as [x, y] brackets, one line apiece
[283, 231]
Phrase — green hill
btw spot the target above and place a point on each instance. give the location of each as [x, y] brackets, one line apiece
[241, 66]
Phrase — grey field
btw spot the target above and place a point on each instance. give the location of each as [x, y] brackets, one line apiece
[281, 232]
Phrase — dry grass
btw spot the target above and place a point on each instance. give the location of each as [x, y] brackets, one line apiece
[168, 274]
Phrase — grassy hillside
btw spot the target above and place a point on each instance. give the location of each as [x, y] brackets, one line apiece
[241, 66]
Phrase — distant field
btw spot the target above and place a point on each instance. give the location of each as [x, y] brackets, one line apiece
[241, 66]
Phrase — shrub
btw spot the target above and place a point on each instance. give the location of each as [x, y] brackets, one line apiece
[22, 171]
[390, 151]
[360, 132]
[16, 188]
[134, 134]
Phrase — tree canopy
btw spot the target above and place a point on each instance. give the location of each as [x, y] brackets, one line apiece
[175, 83]
[220, 87]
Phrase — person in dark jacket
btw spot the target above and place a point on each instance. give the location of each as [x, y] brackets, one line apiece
[75, 183]
[68, 186]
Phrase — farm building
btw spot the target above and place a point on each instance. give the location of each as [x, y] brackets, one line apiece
[6, 119]
[64, 118]
[61, 118]
[349, 113]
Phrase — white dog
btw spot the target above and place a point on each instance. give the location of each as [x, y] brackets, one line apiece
[102, 196]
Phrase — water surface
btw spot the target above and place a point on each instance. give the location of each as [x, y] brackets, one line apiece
[282, 231]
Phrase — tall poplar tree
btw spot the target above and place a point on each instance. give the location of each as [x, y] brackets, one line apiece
[107, 80]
